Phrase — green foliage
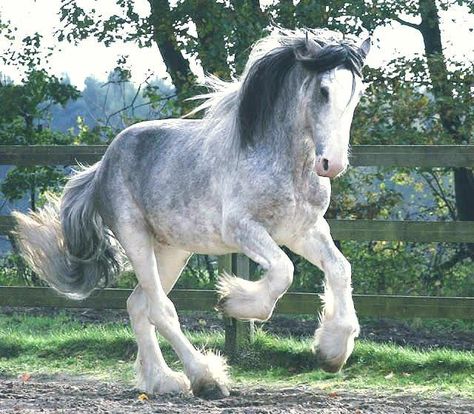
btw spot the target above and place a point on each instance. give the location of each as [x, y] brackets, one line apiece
[21, 180]
[406, 268]
[13, 271]
[200, 272]
[23, 120]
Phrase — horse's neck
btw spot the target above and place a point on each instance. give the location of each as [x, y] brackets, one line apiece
[286, 142]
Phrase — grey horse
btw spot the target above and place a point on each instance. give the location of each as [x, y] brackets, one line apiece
[252, 175]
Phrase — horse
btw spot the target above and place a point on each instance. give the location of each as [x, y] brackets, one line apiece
[251, 175]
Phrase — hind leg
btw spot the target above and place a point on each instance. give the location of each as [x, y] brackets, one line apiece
[205, 372]
[153, 374]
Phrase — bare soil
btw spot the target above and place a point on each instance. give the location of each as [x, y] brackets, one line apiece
[71, 395]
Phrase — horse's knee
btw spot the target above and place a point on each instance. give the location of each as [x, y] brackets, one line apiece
[339, 272]
[287, 269]
[281, 275]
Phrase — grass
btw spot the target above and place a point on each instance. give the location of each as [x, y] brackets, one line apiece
[42, 345]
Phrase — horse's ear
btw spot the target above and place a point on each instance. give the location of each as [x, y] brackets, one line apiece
[308, 50]
[365, 46]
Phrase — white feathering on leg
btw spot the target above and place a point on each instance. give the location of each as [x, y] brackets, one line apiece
[244, 299]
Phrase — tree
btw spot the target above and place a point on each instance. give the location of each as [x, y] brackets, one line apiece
[23, 118]
[448, 82]
[218, 34]
[223, 31]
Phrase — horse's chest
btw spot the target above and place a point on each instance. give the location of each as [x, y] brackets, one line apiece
[296, 218]
[315, 197]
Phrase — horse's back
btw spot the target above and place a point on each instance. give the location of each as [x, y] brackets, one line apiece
[161, 172]
[151, 140]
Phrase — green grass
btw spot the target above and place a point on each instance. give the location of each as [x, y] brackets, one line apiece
[43, 345]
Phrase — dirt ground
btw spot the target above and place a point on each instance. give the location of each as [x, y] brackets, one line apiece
[69, 395]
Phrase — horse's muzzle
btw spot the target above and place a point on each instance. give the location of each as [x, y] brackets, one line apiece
[329, 168]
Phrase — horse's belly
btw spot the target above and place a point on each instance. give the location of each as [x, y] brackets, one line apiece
[193, 231]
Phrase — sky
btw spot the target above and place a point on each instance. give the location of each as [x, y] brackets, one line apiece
[91, 58]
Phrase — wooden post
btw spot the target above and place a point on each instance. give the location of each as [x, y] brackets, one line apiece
[238, 334]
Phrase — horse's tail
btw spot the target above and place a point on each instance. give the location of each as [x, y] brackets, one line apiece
[66, 242]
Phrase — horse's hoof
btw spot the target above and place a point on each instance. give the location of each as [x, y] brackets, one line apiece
[211, 391]
[327, 367]
[332, 366]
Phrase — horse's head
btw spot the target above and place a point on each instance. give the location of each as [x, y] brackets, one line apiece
[295, 86]
[333, 87]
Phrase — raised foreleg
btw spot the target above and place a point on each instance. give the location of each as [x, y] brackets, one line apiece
[244, 299]
[334, 339]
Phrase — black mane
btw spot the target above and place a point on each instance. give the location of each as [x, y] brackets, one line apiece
[334, 55]
[265, 77]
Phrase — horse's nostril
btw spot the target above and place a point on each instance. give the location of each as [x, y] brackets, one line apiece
[325, 164]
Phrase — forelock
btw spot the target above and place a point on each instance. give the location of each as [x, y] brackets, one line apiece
[333, 55]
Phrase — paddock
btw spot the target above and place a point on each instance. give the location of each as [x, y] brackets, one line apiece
[83, 395]
[69, 392]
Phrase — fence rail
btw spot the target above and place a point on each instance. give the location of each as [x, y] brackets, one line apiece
[415, 231]
[291, 303]
[361, 155]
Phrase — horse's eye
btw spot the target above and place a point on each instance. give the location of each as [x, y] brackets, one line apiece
[324, 93]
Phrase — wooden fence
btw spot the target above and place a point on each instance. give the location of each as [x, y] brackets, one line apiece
[292, 303]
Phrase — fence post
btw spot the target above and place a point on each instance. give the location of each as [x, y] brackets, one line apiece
[238, 334]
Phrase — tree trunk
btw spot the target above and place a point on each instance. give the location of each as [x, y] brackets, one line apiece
[177, 66]
[442, 88]
[286, 14]
[212, 47]
[248, 26]
[443, 94]
[33, 198]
